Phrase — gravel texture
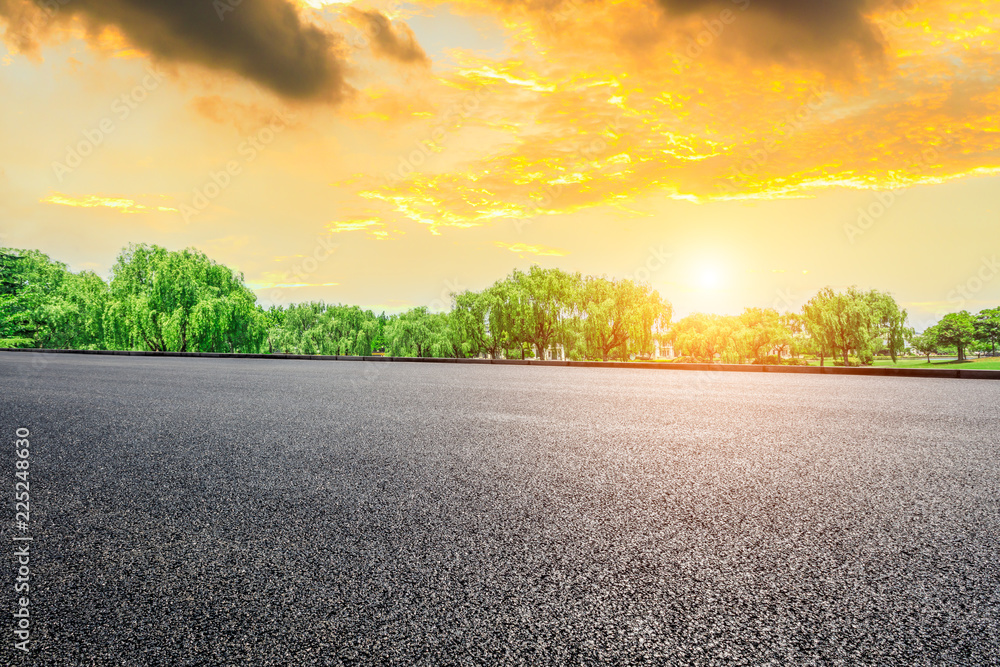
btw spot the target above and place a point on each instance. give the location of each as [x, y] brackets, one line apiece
[219, 511]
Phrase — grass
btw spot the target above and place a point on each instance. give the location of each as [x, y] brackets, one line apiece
[989, 363]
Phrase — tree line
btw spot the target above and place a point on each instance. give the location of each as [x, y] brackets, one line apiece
[164, 300]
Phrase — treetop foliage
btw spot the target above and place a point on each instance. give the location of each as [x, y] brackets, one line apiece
[183, 301]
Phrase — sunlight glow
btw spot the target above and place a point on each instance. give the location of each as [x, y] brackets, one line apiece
[709, 277]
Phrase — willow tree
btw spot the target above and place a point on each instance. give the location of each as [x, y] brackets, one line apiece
[704, 335]
[843, 321]
[892, 322]
[418, 333]
[43, 304]
[760, 333]
[540, 302]
[180, 301]
[482, 318]
[620, 317]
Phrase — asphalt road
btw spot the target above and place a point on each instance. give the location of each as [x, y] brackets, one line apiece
[217, 511]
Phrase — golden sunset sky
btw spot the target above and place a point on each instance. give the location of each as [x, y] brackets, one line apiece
[731, 153]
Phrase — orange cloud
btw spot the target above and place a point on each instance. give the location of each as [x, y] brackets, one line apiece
[576, 130]
[374, 228]
[246, 117]
[523, 249]
[95, 201]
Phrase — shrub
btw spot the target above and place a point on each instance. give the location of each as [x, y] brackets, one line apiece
[17, 341]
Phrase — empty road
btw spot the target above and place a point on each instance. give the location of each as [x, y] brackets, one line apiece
[215, 511]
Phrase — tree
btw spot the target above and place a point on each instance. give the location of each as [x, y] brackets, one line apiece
[540, 301]
[456, 344]
[274, 318]
[418, 333]
[761, 332]
[925, 343]
[12, 330]
[43, 304]
[180, 301]
[798, 336]
[479, 316]
[987, 326]
[320, 328]
[892, 322]
[844, 321]
[703, 336]
[620, 316]
[958, 330]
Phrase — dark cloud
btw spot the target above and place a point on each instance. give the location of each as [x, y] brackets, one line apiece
[763, 28]
[800, 24]
[395, 43]
[266, 41]
[24, 24]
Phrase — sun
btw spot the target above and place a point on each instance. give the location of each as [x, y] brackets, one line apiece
[709, 277]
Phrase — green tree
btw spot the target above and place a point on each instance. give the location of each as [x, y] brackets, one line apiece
[958, 330]
[43, 304]
[274, 318]
[794, 324]
[892, 322]
[620, 317]
[761, 333]
[844, 321]
[987, 326]
[539, 304]
[418, 333]
[703, 336]
[457, 345]
[12, 329]
[482, 319]
[180, 301]
[925, 343]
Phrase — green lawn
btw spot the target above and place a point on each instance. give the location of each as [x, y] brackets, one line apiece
[990, 363]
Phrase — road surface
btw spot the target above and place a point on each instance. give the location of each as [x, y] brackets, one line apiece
[220, 511]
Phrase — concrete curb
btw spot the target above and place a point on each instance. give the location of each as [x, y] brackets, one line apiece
[951, 373]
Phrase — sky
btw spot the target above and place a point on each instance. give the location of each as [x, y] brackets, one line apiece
[731, 153]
